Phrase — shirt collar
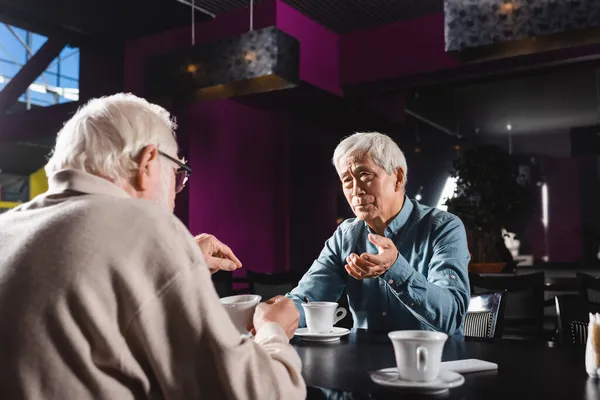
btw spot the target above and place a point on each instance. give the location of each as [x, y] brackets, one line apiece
[82, 182]
[399, 220]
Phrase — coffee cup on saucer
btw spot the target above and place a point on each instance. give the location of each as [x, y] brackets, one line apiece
[241, 309]
[321, 316]
[418, 354]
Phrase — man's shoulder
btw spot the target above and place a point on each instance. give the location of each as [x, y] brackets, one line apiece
[434, 217]
[103, 216]
[117, 207]
[350, 226]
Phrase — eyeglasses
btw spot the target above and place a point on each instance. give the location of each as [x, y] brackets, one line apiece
[181, 175]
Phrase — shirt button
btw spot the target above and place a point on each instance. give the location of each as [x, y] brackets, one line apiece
[452, 276]
[391, 281]
[384, 313]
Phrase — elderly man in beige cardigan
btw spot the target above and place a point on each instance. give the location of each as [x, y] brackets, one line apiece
[104, 294]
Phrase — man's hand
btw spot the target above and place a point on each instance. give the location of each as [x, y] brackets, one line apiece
[217, 255]
[372, 265]
[280, 310]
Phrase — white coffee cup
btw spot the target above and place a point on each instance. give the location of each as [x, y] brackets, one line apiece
[418, 354]
[321, 316]
[241, 309]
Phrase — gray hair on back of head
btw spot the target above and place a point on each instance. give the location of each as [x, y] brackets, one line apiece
[382, 149]
[107, 134]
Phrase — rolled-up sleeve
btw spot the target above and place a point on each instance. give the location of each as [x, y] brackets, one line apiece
[440, 299]
[326, 278]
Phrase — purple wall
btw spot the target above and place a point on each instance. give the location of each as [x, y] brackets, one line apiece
[314, 185]
[565, 226]
[319, 48]
[238, 191]
[418, 46]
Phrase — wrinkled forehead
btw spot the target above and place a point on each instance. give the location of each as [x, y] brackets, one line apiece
[353, 161]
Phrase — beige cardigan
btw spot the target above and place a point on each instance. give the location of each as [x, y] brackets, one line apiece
[107, 297]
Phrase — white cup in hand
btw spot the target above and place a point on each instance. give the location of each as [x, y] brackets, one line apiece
[241, 309]
[280, 310]
[321, 316]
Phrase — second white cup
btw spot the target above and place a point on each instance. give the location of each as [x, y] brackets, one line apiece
[321, 316]
[418, 354]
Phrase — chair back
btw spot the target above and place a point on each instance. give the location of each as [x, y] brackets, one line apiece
[270, 285]
[485, 317]
[573, 318]
[524, 301]
[590, 288]
[223, 282]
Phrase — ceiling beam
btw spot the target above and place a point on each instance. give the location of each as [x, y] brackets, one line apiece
[29, 72]
[70, 36]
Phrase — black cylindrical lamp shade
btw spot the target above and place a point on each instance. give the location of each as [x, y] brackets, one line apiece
[257, 61]
[475, 23]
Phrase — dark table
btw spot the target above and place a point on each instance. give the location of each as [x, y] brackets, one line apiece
[526, 370]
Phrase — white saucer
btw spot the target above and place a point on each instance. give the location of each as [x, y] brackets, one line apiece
[446, 380]
[333, 336]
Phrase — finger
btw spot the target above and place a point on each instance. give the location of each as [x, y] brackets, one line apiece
[373, 259]
[356, 275]
[228, 253]
[359, 268]
[224, 264]
[364, 263]
[379, 241]
[274, 300]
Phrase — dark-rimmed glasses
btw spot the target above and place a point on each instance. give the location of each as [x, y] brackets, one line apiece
[181, 175]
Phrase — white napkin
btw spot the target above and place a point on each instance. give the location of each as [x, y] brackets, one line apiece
[469, 365]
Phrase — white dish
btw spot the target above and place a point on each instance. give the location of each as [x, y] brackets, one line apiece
[446, 380]
[333, 336]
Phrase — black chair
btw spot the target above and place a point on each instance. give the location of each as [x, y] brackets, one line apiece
[590, 288]
[573, 319]
[223, 282]
[485, 317]
[524, 301]
[270, 285]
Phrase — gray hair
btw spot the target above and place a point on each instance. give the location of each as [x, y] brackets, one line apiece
[107, 134]
[384, 152]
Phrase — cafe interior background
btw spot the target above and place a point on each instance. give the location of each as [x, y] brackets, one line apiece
[502, 97]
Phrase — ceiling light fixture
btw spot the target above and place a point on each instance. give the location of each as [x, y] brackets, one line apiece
[257, 61]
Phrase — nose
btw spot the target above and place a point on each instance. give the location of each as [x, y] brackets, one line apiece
[356, 189]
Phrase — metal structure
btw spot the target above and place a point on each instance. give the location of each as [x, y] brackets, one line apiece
[53, 86]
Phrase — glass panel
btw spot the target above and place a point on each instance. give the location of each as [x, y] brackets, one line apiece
[59, 83]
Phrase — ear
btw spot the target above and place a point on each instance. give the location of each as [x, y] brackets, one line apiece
[399, 179]
[147, 164]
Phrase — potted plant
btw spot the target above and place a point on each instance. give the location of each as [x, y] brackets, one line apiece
[490, 194]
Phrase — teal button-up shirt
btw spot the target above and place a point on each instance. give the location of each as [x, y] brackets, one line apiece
[427, 288]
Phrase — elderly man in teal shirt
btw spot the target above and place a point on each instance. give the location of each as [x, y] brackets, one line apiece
[403, 265]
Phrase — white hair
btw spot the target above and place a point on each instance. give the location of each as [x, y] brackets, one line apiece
[107, 134]
[384, 152]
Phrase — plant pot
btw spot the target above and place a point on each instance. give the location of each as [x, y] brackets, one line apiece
[487, 268]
